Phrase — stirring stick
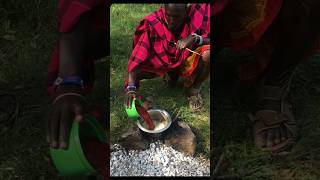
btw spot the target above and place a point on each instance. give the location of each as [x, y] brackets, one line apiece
[190, 50]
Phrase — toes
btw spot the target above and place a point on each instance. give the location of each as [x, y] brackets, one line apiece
[195, 103]
[198, 104]
[277, 136]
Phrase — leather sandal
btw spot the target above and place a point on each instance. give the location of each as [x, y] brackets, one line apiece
[195, 100]
[267, 117]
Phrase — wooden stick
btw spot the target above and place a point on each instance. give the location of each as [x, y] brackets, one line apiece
[191, 50]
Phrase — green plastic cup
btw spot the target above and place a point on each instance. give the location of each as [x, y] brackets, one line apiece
[132, 112]
[72, 162]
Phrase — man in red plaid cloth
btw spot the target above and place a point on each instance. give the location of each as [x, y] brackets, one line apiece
[162, 44]
[82, 39]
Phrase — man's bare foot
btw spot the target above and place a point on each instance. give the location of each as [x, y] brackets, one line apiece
[274, 125]
[195, 100]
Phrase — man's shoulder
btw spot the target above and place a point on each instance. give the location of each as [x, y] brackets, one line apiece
[149, 22]
[156, 15]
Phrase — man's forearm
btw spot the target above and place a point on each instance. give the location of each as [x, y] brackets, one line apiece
[133, 75]
[70, 56]
[72, 47]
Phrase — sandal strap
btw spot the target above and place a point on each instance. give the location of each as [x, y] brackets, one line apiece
[275, 96]
[271, 118]
[276, 93]
[272, 93]
[195, 91]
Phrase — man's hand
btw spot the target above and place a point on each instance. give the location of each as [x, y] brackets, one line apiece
[186, 42]
[131, 90]
[68, 106]
[130, 95]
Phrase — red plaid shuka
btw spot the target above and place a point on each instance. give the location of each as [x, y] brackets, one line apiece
[241, 23]
[69, 13]
[153, 48]
[218, 6]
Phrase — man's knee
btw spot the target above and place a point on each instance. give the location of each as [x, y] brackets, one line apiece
[206, 57]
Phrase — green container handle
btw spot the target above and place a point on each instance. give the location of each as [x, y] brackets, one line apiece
[132, 112]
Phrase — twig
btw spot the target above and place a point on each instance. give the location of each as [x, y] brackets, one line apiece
[177, 114]
[191, 51]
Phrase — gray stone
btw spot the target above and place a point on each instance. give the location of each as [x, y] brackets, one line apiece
[149, 165]
[132, 139]
[180, 137]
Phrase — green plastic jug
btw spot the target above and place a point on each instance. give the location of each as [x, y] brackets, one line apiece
[132, 112]
[72, 162]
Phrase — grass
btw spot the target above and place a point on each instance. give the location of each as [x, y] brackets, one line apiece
[26, 39]
[27, 36]
[124, 18]
[242, 158]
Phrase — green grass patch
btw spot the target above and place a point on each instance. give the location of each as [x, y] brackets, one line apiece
[28, 33]
[27, 36]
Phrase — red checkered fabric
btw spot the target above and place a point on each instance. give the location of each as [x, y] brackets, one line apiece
[69, 13]
[153, 44]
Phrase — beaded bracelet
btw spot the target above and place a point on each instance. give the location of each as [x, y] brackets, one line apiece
[198, 38]
[131, 88]
[69, 80]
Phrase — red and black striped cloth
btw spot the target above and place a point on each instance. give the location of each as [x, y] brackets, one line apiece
[153, 44]
[69, 13]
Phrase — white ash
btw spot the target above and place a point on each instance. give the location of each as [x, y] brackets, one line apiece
[158, 160]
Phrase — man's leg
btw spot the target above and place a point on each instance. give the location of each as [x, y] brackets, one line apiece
[171, 78]
[298, 34]
[203, 71]
[79, 47]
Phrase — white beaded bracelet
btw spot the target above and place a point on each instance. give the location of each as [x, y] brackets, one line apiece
[68, 94]
[201, 40]
[198, 37]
